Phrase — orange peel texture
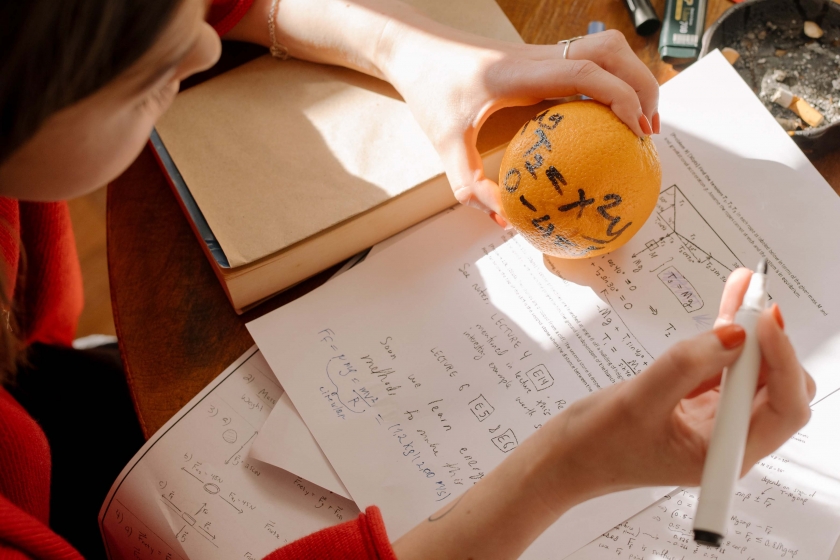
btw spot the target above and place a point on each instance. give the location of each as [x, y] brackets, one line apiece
[577, 182]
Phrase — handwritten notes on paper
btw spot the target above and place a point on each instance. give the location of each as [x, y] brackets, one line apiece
[436, 402]
[421, 369]
[783, 508]
[193, 492]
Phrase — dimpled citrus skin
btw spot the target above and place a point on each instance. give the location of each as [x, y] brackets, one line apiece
[576, 181]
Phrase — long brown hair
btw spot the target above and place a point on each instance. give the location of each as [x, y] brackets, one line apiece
[55, 53]
[58, 52]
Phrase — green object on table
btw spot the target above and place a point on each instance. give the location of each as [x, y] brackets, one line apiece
[682, 30]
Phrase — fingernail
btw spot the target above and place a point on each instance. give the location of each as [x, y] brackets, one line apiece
[656, 124]
[499, 220]
[777, 313]
[645, 124]
[731, 336]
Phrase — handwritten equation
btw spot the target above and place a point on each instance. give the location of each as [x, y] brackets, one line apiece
[777, 513]
[193, 492]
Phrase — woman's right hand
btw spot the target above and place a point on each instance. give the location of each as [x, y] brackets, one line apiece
[652, 430]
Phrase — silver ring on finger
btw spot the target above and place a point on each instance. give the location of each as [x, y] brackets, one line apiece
[566, 43]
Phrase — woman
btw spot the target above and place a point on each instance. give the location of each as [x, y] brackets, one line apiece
[82, 83]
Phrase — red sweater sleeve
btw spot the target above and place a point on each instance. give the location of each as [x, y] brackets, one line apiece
[364, 538]
[49, 300]
[22, 535]
[225, 14]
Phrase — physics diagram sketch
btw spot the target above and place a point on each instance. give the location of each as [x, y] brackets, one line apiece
[683, 264]
[192, 491]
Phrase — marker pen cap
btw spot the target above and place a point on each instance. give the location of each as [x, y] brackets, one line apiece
[644, 17]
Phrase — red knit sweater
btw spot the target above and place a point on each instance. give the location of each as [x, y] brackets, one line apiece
[48, 302]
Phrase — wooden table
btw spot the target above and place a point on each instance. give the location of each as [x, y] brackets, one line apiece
[177, 330]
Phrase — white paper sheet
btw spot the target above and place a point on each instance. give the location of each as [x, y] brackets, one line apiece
[193, 492]
[419, 370]
[287, 443]
[787, 506]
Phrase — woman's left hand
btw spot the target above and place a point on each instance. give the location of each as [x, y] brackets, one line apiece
[454, 81]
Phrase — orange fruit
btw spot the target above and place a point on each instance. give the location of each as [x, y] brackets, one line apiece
[577, 182]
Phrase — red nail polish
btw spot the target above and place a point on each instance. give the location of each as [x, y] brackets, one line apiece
[656, 125]
[731, 336]
[645, 124]
[499, 220]
[777, 313]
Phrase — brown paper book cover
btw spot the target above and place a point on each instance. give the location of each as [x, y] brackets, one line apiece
[297, 166]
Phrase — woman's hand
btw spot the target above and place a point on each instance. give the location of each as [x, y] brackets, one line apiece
[655, 429]
[454, 81]
[652, 430]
